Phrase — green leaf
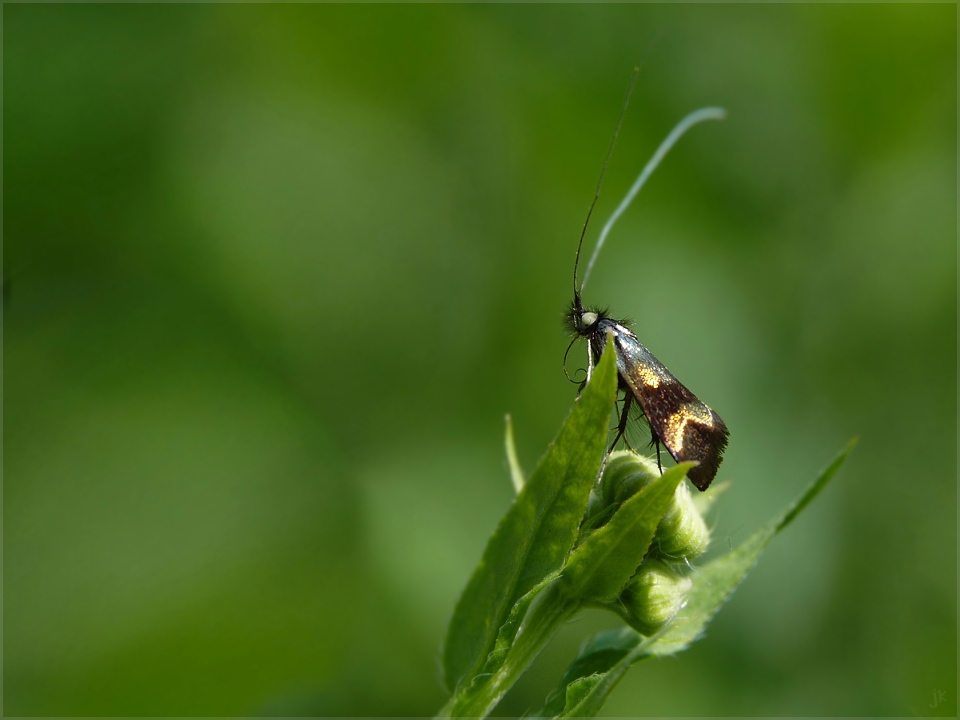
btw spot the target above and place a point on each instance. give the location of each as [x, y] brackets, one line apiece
[609, 655]
[512, 627]
[596, 657]
[533, 621]
[535, 536]
[579, 689]
[714, 583]
[600, 567]
[589, 703]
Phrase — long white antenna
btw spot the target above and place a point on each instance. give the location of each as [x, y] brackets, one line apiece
[697, 116]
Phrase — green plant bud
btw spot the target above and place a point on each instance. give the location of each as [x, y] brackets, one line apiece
[683, 534]
[654, 596]
[625, 474]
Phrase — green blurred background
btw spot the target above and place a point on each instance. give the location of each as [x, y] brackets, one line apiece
[276, 274]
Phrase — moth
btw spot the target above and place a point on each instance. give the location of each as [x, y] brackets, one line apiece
[678, 419]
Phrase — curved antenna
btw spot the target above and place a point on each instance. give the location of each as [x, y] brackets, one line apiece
[698, 116]
[575, 382]
[603, 171]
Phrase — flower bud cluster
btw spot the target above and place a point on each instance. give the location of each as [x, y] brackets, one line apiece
[682, 535]
[658, 590]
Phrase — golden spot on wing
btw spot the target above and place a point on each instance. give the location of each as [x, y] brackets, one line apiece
[647, 376]
[675, 427]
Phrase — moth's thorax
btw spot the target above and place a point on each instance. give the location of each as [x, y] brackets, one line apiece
[604, 327]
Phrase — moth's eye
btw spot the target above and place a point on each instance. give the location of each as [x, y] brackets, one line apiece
[588, 318]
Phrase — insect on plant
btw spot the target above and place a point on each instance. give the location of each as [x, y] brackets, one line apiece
[569, 541]
[678, 419]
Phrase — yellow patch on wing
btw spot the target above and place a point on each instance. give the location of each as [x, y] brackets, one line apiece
[675, 426]
[648, 377]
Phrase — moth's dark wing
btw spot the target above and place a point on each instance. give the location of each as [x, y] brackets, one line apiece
[688, 429]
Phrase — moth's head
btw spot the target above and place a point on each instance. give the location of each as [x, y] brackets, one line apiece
[583, 321]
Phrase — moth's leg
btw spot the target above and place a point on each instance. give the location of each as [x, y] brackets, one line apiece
[655, 441]
[624, 414]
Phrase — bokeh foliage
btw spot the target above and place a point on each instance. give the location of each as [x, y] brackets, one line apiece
[275, 274]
